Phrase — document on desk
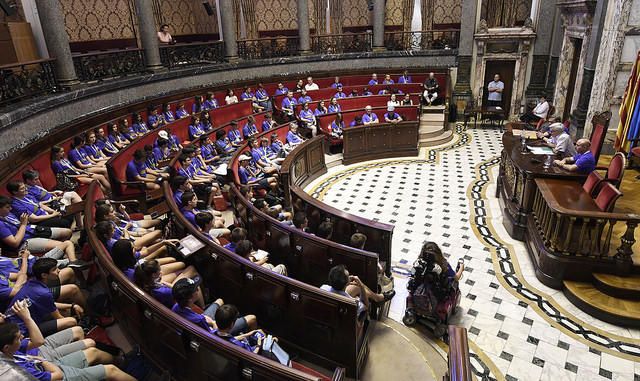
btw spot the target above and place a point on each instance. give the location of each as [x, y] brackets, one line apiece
[540, 150]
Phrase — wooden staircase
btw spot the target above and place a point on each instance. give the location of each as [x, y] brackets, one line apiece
[610, 298]
[433, 131]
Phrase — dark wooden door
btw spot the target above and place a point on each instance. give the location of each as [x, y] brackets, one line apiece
[575, 61]
[506, 70]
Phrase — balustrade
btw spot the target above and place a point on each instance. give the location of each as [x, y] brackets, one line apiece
[199, 53]
[271, 47]
[96, 66]
[27, 79]
[341, 43]
[422, 40]
[583, 233]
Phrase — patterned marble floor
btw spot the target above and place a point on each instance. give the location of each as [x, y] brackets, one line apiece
[518, 328]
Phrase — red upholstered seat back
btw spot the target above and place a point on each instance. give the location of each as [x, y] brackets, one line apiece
[226, 114]
[607, 197]
[616, 169]
[597, 139]
[593, 181]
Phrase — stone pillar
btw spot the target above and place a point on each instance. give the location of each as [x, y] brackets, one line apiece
[304, 46]
[228, 19]
[541, 48]
[378, 25]
[589, 70]
[555, 50]
[462, 90]
[604, 91]
[148, 35]
[55, 36]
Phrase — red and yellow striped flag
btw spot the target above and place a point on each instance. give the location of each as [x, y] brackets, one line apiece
[627, 107]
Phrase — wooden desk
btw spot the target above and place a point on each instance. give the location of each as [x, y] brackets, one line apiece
[378, 141]
[489, 112]
[515, 185]
[568, 237]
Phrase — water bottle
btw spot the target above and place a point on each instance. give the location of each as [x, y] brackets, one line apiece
[10, 312]
[523, 142]
[548, 162]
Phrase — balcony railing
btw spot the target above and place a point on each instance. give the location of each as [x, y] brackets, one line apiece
[96, 66]
[25, 80]
[422, 40]
[268, 47]
[585, 234]
[341, 43]
[197, 53]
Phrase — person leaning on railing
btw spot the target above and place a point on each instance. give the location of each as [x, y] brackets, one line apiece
[164, 36]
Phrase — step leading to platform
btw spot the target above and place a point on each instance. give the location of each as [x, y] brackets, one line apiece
[588, 298]
[617, 286]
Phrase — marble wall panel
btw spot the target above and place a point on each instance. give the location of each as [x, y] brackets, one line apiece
[630, 49]
[634, 14]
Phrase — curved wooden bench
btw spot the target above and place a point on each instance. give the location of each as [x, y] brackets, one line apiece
[320, 324]
[182, 348]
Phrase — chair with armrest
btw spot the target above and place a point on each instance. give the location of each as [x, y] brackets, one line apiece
[600, 124]
[592, 184]
[634, 152]
[614, 171]
[607, 197]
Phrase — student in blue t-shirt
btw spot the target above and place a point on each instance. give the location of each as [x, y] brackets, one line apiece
[374, 80]
[250, 129]
[137, 171]
[44, 309]
[39, 213]
[369, 117]
[81, 160]
[225, 316]
[268, 122]
[186, 292]
[336, 83]
[148, 276]
[65, 355]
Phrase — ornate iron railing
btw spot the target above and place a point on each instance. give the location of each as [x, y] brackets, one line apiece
[25, 80]
[341, 43]
[97, 66]
[268, 47]
[422, 40]
[196, 53]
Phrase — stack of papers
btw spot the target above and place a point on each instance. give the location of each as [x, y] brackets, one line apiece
[540, 150]
[189, 245]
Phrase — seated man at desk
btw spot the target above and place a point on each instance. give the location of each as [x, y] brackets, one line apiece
[582, 162]
[538, 112]
[560, 141]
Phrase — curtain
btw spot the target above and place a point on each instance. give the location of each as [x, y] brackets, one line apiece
[629, 109]
[320, 15]
[336, 19]
[427, 14]
[407, 15]
[246, 16]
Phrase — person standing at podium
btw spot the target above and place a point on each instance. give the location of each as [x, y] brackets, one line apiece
[495, 87]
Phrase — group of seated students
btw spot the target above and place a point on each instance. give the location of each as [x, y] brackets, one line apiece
[41, 292]
[308, 118]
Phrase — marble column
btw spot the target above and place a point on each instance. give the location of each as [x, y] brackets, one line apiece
[590, 62]
[555, 50]
[378, 25]
[616, 23]
[148, 35]
[544, 13]
[55, 36]
[462, 90]
[228, 19]
[304, 46]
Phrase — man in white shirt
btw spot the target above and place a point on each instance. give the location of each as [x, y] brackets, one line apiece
[539, 112]
[495, 87]
[560, 141]
[310, 85]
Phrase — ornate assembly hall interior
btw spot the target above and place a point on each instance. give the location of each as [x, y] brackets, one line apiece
[320, 190]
